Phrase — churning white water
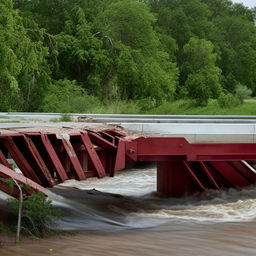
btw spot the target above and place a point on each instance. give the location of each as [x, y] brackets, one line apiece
[132, 203]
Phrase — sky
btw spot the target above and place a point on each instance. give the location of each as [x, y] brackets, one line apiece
[248, 3]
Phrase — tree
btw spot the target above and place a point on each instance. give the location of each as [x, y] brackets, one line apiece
[49, 14]
[81, 54]
[129, 22]
[24, 71]
[144, 68]
[183, 19]
[201, 75]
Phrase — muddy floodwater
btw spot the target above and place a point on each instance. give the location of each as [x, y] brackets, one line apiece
[123, 216]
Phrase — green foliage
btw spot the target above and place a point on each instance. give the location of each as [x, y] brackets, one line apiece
[67, 97]
[144, 68]
[23, 67]
[118, 107]
[66, 118]
[9, 182]
[50, 14]
[186, 107]
[242, 92]
[79, 55]
[228, 100]
[147, 104]
[130, 22]
[202, 76]
[37, 214]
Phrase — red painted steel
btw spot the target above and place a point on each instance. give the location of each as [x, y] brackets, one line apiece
[193, 175]
[98, 140]
[166, 147]
[4, 161]
[244, 168]
[8, 173]
[220, 165]
[120, 158]
[54, 158]
[182, 168]
[210, 176]
[20, 160]
[173, 179]
[73, 159]
[93, 155]
[41, 166]
[230, 174]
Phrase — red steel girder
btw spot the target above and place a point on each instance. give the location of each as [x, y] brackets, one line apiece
[245, 169]
[41, 166]
[230, 174]
[93, 155]
[54, 158]
[103, 143]
[193, 175]
[210, 176]
[20, 160]
[166, 149]
[8, 173]
[4, 161]
[120, 158]
[173, 179]
[74, 159]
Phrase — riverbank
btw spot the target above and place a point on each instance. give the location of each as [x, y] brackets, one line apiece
[89, 209]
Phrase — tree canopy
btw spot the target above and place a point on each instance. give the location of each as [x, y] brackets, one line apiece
[147, 51]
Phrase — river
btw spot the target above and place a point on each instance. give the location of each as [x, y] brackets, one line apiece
[123, 216]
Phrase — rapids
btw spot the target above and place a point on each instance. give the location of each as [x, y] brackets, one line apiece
[123, 216]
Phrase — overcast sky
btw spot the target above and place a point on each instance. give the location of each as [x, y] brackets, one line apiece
[249, 3]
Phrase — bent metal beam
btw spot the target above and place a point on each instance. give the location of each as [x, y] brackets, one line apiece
[46, 159]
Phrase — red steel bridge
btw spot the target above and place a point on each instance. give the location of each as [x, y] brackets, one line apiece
[47, 158]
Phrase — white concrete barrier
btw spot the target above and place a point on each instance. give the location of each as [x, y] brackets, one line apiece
[200, 133]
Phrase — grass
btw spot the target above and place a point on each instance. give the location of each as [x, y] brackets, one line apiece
[63, 118]
[179, 107]
[185, 107]
[10, 121]
[117, 107]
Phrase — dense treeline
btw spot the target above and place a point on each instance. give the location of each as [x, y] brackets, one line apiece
[70, 55]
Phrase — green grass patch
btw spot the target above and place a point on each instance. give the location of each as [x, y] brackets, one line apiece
[9, 121]
[117, 107]
[185, 107]
[63, 118]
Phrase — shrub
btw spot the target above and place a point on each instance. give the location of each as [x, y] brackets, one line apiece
[66, 97]
[147, 104]
[37, 214]
[242, 92]
[228, 100]
[118, 107]
[66, 118]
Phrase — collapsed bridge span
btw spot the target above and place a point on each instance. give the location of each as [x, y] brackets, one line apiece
[46, 158]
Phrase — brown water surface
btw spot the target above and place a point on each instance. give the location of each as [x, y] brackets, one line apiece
[135, 222]
[215, 239]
